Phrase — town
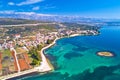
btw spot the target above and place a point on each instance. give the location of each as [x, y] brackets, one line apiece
[20, 46]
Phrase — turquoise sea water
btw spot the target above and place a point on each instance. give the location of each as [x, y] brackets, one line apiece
[75, 58]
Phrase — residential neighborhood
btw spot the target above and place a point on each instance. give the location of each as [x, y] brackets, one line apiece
[21, 51]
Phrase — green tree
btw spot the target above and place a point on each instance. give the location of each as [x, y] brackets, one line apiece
[49, 41]
[39, 47]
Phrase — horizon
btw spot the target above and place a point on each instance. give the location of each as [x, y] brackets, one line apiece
[107, 9]
[60, 39]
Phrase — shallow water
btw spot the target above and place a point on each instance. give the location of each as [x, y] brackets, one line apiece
[75, 58]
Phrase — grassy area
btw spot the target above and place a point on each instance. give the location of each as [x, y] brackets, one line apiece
[20, 50]
[5, 53]
[7, 60]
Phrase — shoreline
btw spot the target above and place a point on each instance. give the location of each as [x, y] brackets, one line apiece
[105, 54]
[73, 35]
[45, 66]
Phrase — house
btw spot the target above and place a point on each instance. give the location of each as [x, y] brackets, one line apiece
[17, 36]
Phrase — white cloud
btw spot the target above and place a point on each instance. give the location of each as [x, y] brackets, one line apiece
[24, 13]
[36, 8]
[7, 12]
[11, 3]
[28, 2]
[49, 7]
[32, 13]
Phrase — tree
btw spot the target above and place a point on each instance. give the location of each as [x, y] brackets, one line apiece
[35, 62]
[49, 41]
[35, 55]
[39, 47]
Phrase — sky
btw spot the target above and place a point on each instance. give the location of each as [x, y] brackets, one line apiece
[83, 8]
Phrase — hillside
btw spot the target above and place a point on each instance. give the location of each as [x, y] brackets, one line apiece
[12, 21]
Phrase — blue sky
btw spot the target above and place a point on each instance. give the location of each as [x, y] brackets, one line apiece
[85, 8]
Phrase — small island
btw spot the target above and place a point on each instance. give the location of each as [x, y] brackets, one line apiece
[105, 53]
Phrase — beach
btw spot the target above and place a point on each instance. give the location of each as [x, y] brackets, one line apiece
[106, 54]
[73, 35]
[45, 66]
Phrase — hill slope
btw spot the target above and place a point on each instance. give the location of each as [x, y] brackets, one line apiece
[11, 21]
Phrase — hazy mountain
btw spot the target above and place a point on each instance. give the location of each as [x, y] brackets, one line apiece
[44, 17]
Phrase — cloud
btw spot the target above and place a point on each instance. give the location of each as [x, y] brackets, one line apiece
[36, 8]
[24, 13]
[7, 12]
[11, 3]
[32, 13]
[28, 2]
[49, 7]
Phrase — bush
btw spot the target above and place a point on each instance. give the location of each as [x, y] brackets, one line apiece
[35, 62]
[35, 55]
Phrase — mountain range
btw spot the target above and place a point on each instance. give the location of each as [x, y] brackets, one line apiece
[56, 18]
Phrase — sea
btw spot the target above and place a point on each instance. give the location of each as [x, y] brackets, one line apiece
[76, 58]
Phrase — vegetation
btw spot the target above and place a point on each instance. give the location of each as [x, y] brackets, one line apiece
[49, 41]
[6, 53]
[80, 26]
[39, 47]
[26, 30]
[36, 57]
[10, 21]
[7, 60]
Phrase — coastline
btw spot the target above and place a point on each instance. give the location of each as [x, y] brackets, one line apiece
[45, 66]
[73, 35]
[105, 54]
